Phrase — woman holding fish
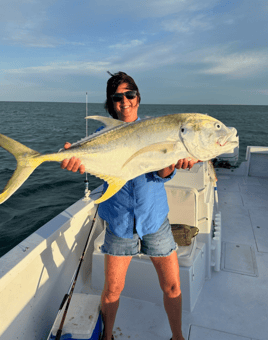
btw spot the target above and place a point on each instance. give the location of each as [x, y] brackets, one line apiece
[136, 220]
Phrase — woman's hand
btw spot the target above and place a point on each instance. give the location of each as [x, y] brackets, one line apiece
[186, 163]
[183, 163]
[73, 164]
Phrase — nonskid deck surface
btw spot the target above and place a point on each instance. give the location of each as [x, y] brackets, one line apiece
[233, 303]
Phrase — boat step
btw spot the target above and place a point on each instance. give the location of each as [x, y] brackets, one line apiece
[83, 320]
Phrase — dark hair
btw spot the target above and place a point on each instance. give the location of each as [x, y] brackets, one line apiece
[112, 85]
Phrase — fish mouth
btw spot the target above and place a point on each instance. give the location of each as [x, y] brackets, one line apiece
[221, 143]
[229, 139]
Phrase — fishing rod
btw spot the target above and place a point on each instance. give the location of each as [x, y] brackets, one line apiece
[68, 296]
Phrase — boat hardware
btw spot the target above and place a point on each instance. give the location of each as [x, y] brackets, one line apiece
[87, 192]
[216, 242]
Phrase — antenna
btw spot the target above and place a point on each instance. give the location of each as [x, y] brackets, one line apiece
[86, 116]
[87, 192]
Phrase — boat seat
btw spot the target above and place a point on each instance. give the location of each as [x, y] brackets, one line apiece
[185, 254]
[142, 281]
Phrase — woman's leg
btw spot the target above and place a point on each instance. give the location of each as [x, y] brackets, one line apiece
[115, 268]
[169, 277]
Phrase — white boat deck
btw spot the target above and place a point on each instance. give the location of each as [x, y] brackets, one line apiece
[233, 304]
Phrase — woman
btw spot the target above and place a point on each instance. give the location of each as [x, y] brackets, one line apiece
[136, 217]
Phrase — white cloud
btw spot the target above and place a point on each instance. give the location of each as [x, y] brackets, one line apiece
[264, 92]
[127, 45]
[143, 57]
[28, 34]
[240, 64]
[148, 57]
[211, 61]
[155, 8]
[184, 24]
[261, 92]
[26, 37]
[65, 68]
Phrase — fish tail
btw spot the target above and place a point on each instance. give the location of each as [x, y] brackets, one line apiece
[27, 161]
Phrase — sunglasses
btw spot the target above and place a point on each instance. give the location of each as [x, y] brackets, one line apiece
[117, 97]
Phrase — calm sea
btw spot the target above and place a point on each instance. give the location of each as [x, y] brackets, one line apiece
[45, 127]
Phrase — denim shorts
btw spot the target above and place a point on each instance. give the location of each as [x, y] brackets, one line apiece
[160, 243]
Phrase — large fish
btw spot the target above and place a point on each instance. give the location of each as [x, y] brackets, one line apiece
[122, 151]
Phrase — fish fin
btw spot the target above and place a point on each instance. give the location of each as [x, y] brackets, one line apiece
[108, 122]
[27, 162]
[163, 147]
[115, 184]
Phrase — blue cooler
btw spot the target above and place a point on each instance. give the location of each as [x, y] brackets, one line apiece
[83, 320]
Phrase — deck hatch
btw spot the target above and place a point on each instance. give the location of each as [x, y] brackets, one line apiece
[239, 258]
[197, 333]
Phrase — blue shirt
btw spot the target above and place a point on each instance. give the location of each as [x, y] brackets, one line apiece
[143, 200]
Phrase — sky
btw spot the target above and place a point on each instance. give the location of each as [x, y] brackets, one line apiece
[177, 51]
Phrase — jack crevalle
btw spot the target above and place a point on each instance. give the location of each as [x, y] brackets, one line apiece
[122, 151]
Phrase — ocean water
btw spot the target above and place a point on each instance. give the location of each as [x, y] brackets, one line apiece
[45, 127]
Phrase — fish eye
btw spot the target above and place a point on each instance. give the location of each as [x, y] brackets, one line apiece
[184, 130]
[218, 126]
